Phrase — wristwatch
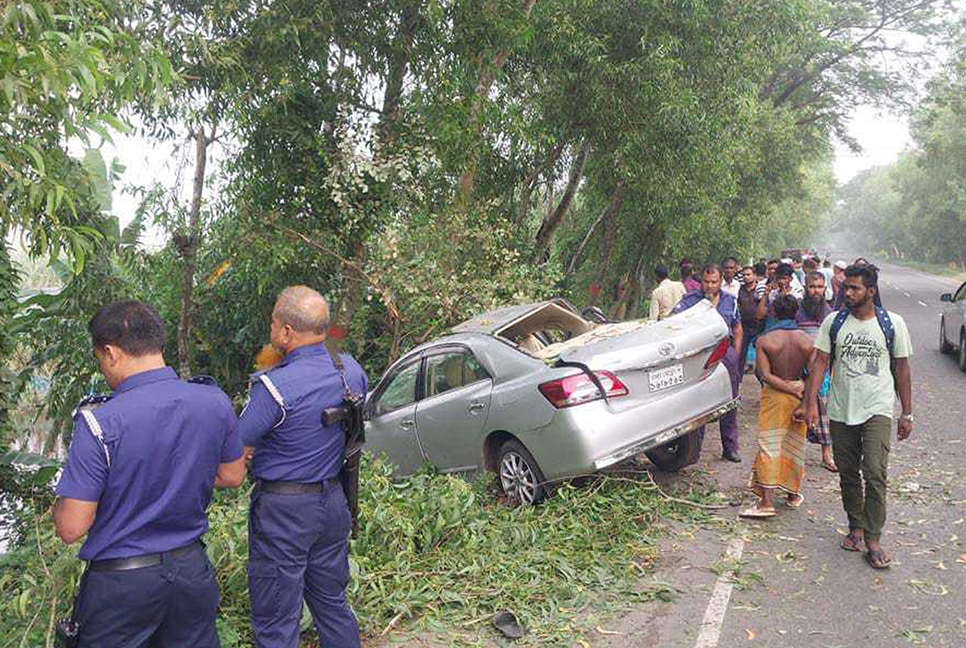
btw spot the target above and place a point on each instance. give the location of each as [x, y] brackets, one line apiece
[908, 417]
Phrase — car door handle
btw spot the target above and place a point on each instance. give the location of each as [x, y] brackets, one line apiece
[407, 424]
[475, 408]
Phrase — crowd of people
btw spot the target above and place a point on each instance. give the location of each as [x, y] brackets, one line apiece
[791, 320]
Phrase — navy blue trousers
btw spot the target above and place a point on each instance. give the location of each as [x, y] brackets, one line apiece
[298, 549]
[171, 605]
[729, 422]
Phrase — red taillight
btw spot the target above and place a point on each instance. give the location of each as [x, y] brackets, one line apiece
[718, 354]
[579, 388]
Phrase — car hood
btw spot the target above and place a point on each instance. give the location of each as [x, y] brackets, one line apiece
[639, 344]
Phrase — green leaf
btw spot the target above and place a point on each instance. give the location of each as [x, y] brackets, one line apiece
[39, 165]
[117, 124]
[103, 185]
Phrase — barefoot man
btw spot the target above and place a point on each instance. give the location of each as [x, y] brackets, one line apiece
[782, 356]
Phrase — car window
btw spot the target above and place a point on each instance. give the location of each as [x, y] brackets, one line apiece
[448, 371]
[400, 391]
[473, 370]
[961, 293]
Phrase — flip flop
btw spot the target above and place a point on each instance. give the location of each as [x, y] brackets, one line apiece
[832, 468]
[798, 502]
[757, 513]
[877, 559]
[850, 543]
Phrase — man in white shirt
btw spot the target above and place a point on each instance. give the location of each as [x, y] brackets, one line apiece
[666, 296]
[729, 282]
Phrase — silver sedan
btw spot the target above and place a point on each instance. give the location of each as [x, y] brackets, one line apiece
[539, 394]
[952, 325]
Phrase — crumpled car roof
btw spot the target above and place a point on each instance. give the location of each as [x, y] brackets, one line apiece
[491, 321]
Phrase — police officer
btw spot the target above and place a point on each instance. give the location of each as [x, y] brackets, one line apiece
[138, 477]
[299, 520]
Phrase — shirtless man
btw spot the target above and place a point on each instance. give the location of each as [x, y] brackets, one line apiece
[782, 356]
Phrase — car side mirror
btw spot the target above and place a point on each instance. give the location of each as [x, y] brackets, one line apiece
[946, 297]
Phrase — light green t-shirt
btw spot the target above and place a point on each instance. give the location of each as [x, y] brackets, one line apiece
[862, 383]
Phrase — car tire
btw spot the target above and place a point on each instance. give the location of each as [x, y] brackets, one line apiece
[944, 345]
[962, 351]
[675, 455]
[519, 474]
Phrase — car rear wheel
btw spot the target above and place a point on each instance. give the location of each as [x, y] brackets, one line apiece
[944, 345]
[675, 455]
[962, 351]
[520, 477]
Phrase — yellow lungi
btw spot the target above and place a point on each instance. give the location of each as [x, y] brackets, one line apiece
[781, 443]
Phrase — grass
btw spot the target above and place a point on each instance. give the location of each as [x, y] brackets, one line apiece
[951, 270]
[435, 553]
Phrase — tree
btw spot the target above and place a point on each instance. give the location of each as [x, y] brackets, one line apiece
[67, 69]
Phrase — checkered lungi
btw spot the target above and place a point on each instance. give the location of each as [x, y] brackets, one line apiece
[821, 434]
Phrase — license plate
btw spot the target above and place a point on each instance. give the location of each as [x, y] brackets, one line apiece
[664, 378]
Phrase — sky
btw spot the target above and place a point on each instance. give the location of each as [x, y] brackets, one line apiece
[882, 136]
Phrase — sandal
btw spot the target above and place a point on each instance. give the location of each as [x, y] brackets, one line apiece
[831, 467]
[755, 513]
[851, 543]
[877, 559]
[795, 501]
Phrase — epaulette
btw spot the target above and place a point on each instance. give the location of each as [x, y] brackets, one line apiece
[204, 380]
[91, 402]
[85, 408]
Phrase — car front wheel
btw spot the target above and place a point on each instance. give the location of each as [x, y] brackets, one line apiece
[520, 477]
[962, 351]
[675, 455]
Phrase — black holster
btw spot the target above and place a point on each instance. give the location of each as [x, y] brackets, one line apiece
[350, 416]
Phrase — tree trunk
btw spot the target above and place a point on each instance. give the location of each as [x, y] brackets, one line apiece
[480, 94]
[188, 245]
[9, 282]
[351, 298]
[531, 180]
[399, 66]
[550, 224]
[608, 216]
[637, 285]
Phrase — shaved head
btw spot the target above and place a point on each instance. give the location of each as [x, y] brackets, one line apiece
[304, 309]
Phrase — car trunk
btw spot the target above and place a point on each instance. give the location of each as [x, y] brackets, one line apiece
[653, 359]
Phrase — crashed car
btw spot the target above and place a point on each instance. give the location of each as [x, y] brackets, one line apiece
[539, 394]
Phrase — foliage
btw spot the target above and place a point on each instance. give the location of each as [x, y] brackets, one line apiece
[433, 551]
[916, 207]
[67, 69]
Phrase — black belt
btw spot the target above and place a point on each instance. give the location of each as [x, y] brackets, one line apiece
[147, 560]
[297, 488]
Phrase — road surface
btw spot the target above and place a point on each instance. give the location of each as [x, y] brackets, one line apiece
[793, 585]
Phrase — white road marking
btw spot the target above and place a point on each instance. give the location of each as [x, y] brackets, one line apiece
[906, 294]
[922, 303]
[714, 616]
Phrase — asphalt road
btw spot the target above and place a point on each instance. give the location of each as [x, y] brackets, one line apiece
[793, 585]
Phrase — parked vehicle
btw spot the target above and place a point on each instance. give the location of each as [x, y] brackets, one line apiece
[538, 394]
[952, 325]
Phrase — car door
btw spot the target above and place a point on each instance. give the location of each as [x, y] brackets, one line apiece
[391, 428]
[451, 415]
[957, 316]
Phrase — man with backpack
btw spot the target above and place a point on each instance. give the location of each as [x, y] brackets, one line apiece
[869, 349]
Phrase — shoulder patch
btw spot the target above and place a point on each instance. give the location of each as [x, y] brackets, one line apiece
[203, 380]
[89, 403]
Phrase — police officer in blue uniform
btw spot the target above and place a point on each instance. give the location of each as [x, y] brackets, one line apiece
[139, 475]
[299, 520]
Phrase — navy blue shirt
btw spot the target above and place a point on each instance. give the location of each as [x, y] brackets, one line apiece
[154, 473]
[727, 306]
[291, 443]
